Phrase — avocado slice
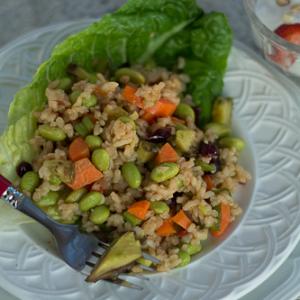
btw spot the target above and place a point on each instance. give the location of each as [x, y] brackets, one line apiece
[184, 139]
[123, 252]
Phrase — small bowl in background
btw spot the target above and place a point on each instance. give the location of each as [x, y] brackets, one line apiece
[265, 16]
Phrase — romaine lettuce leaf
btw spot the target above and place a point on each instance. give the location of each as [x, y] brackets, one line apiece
[140, 30]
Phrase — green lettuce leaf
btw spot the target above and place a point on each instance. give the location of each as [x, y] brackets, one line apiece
[139, 31]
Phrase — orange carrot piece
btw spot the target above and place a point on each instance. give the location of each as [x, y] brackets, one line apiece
[130, 96]
[225, 219]
[166, 154]
[166, 229]
[182, 219]
[209, 182]
[78, 149]
[161, 109]
[85, 174]
[139, 209]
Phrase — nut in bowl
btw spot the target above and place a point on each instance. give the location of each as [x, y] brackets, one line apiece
[276, 30]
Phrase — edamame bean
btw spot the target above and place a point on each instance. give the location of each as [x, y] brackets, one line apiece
[82, 74]
[90, 101]
[73, 96]
[144, 262]
[133, 220]
[133, 75]
[101, 159]
[53, 134]
[29, 181]
[76, 195]
[93, 141]
[193, 249]
[48, 200]
[160, 207]
[81, 129]
[206, 167]
[52, 212]
[54, 180]
[185, 111]
[126, 120]
[185, 258]
[131, 174]
[88, 123]
[164, 171]
[91, 200]
[100, 214]
[219, 130]
[232, 142]
[64, 83]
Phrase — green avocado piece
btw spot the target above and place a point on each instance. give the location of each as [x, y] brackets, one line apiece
[184, 139]
[122, 253]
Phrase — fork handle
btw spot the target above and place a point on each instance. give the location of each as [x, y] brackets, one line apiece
[22, 203]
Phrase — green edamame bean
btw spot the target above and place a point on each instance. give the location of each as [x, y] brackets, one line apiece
[64, 83]
[48, 200]
[232, 142]
[164, 171]
[160, 207]
[29, 181]
[54, 180]
[185, 258]
[73, 96]
[76, 195]
[115, 112]
[185, 111]
[88, 123]
[100, 214]
[133, 75]
[206, 167]
[144, 262]
[90, 101]
[193, 249]
[91, 200]
[53, 134]
[133, 220]
[131, 174]
[81, 129]
[82, 74]
[101, 159]
[93, 141]
[126, 120]
[52, 212]
[219, 130]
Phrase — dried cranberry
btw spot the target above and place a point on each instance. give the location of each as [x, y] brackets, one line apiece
[160, 135]
[23, 168]
[208, 149]
[217, 162]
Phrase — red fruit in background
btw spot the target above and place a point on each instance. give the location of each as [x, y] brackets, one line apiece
[291, 33]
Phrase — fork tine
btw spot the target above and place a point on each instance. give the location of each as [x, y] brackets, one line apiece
[118, 281]
[149, 269]
[151, 258]
[124, 283]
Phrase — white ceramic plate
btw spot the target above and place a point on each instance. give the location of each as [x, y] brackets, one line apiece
[266, 114]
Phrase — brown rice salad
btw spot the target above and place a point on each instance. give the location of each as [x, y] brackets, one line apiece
[124, 153]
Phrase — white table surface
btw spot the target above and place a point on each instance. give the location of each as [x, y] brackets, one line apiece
[28, 15]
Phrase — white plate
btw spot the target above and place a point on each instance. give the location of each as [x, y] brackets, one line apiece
[266, 112]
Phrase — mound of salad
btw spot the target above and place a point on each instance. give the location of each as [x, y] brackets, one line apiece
[124, 129]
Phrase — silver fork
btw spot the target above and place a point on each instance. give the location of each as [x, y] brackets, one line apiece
[80, 251]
